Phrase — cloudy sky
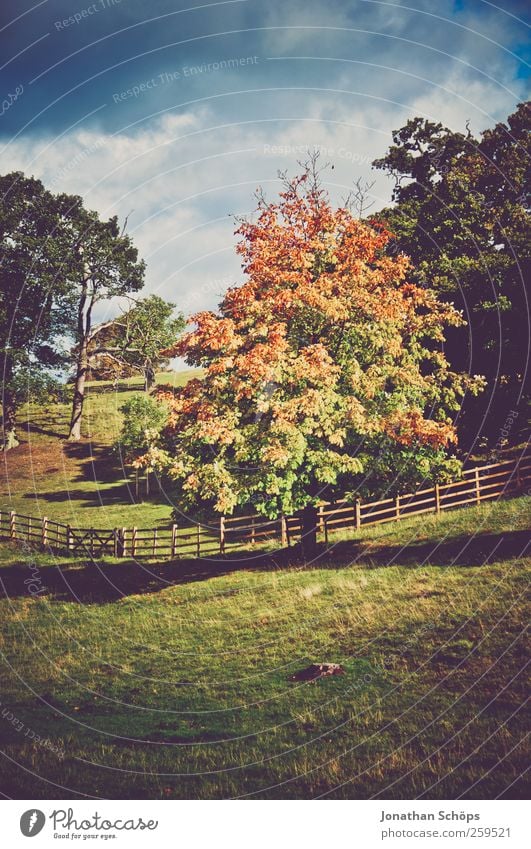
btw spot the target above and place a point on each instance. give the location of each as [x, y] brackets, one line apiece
[174, 111]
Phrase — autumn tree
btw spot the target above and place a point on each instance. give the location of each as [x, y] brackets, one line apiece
[324, 374]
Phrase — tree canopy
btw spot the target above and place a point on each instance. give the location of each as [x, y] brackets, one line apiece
[57, 260]
[133, 342]
[462, 214]
[34, 295]
[103, 264]
[324, 370]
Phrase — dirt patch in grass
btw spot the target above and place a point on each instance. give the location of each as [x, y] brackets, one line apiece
[31, 465]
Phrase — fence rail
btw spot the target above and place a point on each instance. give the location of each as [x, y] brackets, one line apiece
[223, 534]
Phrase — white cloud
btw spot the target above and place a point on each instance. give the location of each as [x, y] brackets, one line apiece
[180, 182]
[181, 176]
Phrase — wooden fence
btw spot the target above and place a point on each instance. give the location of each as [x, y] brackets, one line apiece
[224, 534]
[94, 388]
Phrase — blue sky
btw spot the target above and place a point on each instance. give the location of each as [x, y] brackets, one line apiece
[174, 112]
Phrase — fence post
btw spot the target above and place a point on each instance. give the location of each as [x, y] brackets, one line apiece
[358, 514]
[283, 533]
[68, 538]
[222, 534]
[478, 489]
[397, 507]
[115, 542]
[437, 499]
[198, 539]
[320, 524]
[124, 543]
[154, 542]
[133, 542]
[173, 539]
[326, 531]
[44, 531]
[12, 524]
[253, 538]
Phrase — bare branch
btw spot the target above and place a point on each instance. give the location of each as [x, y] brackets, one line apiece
[360, 195]
[126, 221]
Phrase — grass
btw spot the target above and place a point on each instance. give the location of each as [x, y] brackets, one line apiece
[81, 483]
[173, 680]
[102, 418]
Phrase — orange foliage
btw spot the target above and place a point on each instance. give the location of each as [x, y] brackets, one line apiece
[324, 344]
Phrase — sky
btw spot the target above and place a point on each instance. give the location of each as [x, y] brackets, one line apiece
[173, 112]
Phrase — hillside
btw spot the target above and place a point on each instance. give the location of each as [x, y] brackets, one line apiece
[175, 681]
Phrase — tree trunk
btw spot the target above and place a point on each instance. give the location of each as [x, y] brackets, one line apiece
[149, 377]
[309, 521]
[84, 324]
[9, 421]
[79, 393]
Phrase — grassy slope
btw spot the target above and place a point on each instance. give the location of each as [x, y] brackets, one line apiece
[172, 682]
[82, 483]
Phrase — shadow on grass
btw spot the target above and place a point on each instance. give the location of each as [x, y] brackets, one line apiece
[30, 427]
[92, 581]
[122, 495]
[98, 467]
[462, 550]
[119, 494]
[96, 463]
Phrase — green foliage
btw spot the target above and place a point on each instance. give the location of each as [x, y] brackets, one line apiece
[143, 419]
[392, 470]
[57, 259]
[34, 386]
[34, 294]
[150, 327]
[102, 263]
[135, 341]
[462, 214]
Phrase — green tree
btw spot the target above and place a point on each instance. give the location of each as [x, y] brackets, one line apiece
[462, 214]
[135, 340]
[34, 295]
[324, 374]
[104, 264]
[143, 420]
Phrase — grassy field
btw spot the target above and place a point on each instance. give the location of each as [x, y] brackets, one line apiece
[173, 680]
